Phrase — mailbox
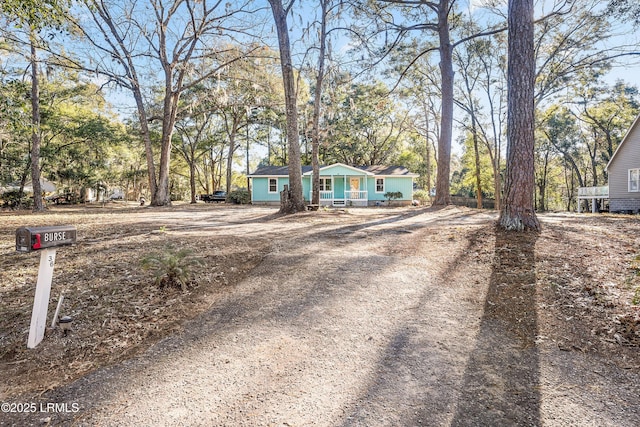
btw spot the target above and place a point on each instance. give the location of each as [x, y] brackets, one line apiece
[33, 238]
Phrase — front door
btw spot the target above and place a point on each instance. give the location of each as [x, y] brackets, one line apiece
[354, 184]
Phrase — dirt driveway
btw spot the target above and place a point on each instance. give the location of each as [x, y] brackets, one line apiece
[381, 317]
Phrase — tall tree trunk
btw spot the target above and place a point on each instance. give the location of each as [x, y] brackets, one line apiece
[162, 196]
[146, 138]
[232, 151]
[294, 201]
[213, 172]
[315, 144]
[443, 196]
[192, 176]
[497, 182]
[517, 208]
[38, 204]
[476, 151]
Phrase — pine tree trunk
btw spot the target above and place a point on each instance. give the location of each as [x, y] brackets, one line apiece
[443, 188]
[192, 178]
[477, 155]
[295, 201]
[517, 206]
[315, 145]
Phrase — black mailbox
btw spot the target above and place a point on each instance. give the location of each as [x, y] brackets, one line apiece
[33, 238]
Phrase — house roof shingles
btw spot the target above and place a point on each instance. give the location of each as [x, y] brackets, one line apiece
[375, 169]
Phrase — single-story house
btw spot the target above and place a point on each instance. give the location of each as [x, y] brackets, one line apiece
[340, 184]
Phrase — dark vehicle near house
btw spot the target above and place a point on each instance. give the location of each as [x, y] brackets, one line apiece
[63, 199]
[217, 196]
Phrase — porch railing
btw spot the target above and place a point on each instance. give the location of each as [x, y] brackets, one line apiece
[326, 196]
[329, 197]
[602, 191]
[355, 195]
[592, 193]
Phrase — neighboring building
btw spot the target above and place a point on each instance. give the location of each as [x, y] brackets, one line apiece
[623, 191]
[340, 185]
[624, 173]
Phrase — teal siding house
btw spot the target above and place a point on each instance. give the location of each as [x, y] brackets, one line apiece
[340, 184]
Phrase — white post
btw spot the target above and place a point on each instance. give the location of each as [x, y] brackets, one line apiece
[593, 205]
[55, 315]
[579, 204]
[41, 301]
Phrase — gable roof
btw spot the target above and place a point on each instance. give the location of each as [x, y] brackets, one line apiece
[388, 170]
[626, 137]
[275, 171]
[377, 170]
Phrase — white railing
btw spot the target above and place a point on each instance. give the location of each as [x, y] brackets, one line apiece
[594, 191]
[326, 196]
[355, 195]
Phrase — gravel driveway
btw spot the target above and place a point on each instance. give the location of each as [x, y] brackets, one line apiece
[392, 320]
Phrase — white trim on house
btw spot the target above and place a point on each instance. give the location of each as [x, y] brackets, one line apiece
[384, 184]
[324, 180]
[269, 185]
[633, 184]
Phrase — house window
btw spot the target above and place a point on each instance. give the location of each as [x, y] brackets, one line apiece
[273, 185]
[325, 184]
[379, 185]
[634, 180]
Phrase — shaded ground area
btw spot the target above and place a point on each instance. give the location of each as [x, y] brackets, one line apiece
[339, 318]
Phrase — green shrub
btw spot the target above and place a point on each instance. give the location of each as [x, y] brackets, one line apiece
[389, 195]
[12, 199]
[239, 197]
[171, 267]
[422, 196]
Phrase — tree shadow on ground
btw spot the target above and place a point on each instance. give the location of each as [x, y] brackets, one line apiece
[501, 382]
[417, 378]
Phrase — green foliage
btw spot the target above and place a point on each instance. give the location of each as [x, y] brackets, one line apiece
[366, 126]
[171, 268]
[36, 14]
[239, 197]
[15, 199]
[83, 144]
[422, 196]
[392, 195]
[464, 182]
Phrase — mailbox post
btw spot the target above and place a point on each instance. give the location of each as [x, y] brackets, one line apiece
[46, 240]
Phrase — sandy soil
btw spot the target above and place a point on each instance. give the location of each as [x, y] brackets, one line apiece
[366, 317]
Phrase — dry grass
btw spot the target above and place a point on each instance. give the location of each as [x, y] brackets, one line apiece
[117, 307]
[586, 271]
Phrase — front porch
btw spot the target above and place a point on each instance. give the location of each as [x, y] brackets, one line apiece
[347, 198]
[343, 186]
[593, 194]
